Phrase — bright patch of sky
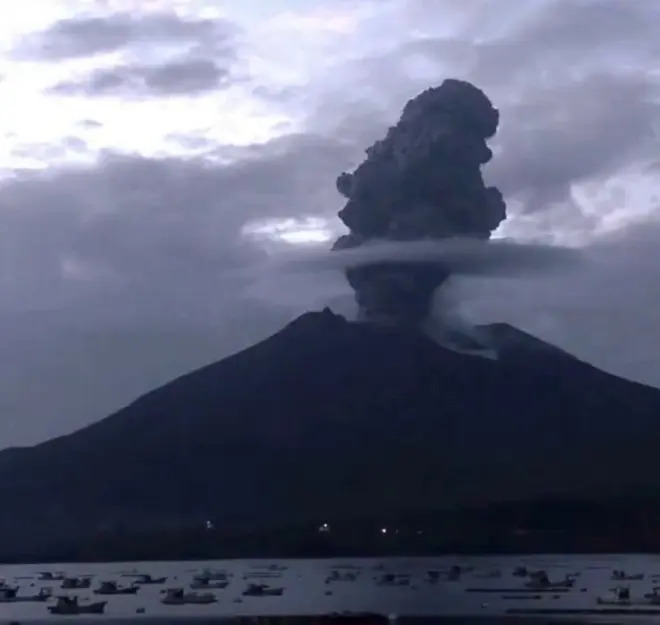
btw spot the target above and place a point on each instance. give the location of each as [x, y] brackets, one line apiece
[286, 50]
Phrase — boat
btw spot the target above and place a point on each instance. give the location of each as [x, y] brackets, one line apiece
[338, 576]
[270, 567]
[618, 596]
[652, 598]
[613, 601]
[542, 581]
[262, 590]
[70, 605]
[177, 596]
[433, 577]
[622, 597]
[48, 576]
[71, 583]
[205, 583]
[9, 595]
[145, 579]
[494, 574]
[111, 588]
[454, 573]
[212, 576]
[622, 576]
[262, 575]
[393, 579]
[523, 571]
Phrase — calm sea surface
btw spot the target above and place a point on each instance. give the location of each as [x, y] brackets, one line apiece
[307, 591]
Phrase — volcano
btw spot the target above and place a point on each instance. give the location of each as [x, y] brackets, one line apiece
[330, 417]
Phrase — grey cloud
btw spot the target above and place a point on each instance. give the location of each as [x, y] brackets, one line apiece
[190, 141]
[117, 277]
[87, 36]
[90, 124]
[154, 223]
[49, 152]
[280, 95]
[565, 37]
[585, 130]
[179, 77]
[535, 40]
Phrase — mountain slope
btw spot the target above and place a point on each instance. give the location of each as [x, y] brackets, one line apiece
[327, 416]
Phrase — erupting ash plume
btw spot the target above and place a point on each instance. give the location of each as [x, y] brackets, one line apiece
[422, 181]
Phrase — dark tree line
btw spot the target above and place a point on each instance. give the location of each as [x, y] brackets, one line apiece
[532, 527]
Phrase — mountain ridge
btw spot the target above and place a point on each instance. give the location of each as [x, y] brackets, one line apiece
[330, 415]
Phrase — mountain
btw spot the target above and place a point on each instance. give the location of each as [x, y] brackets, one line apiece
[328, 417]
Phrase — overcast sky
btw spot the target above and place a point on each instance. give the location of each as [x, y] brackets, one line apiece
[150, 148]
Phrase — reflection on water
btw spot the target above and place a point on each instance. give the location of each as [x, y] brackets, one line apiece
[413, 586]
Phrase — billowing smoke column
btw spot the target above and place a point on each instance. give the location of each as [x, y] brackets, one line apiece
[422, 181]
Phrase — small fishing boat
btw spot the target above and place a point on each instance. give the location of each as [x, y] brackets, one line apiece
[276, 567]
[70, 605]
[262, 575]
[454, 573]
[523, 571]
[618, 596]
[207, 584]
[542, 581]
[75, 583]
[49, 576]
[393, 579]
[212, 575]
[145, 579]
[262, 590]
[177, 596]
[622, 576]
[652, 598]
[9, 595]
[433, 577]
[269, 567]
[494, 574]
[111, 588]
[339, 576]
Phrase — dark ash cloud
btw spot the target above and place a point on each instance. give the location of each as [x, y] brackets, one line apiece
[575, 82]
[180, 77]
[81, 37]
